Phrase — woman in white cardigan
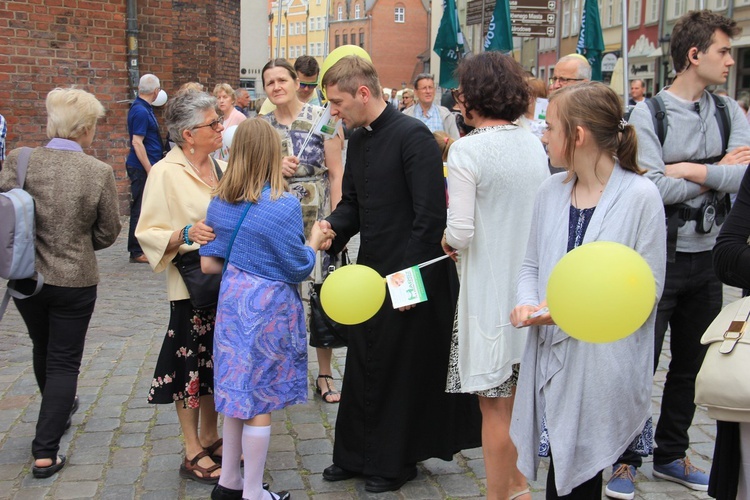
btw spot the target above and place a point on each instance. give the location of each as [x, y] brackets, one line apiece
[581, 403]
[493, 175]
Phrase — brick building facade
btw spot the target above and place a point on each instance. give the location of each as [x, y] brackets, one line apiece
[393, 32]
[59, 43]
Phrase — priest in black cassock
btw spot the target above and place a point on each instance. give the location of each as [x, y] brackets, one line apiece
[394, 411]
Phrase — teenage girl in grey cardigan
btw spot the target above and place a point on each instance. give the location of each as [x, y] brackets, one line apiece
[581, 403]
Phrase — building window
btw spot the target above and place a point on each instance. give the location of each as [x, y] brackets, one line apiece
[610, 13]
[575, 16]
[312, 24]
[362, 38]
[635, 13]
[566, 19]
[340, 16]
[312, 50]
[356, 11]
[337, 41]
[652, 11]
[321, 26]
[720, 5]
[618, 14]
[283, 52]
[320, 48]
[283, 30]
[399, 14]
[304, 27]
[346, 39]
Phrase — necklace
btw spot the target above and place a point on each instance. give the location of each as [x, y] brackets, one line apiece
[492, 128]
[211, 179]
[575, 200]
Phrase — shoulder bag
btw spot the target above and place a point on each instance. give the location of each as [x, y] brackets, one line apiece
[324, 332]
[723, 383]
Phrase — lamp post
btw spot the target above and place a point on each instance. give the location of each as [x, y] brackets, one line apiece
[664, 41]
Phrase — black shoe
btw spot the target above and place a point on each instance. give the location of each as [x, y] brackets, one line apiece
[73, 410]
[378, 484]
[336, 473]
[281, 495]
[42, 472]
[222, 493]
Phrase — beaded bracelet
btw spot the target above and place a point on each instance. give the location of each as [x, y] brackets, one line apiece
[185, 236]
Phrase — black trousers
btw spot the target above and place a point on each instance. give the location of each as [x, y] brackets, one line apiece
[692, 298]
[137, 182]
[590, 490]
[57, 319]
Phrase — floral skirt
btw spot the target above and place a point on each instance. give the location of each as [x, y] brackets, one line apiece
[185, 370]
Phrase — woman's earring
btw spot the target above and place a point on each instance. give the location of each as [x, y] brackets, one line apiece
[192, 151]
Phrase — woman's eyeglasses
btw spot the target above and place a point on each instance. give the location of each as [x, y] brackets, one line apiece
[456, 94]
[214, 124]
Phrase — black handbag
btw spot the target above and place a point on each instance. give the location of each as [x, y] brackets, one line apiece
[203, 288]
[324, 332]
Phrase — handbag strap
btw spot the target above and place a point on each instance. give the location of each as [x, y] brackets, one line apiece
[737, 327]
[219, 173]
[22, 165]
[236, 230]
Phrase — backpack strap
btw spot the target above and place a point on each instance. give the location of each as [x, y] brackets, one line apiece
[219, 173]
[722, 119]
[659, 116]
[22, 166]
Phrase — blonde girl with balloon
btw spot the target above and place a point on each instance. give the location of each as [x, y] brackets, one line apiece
[260, 351]
[581, 403]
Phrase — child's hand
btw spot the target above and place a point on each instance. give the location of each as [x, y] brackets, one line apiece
[522, 315]
[289, 165]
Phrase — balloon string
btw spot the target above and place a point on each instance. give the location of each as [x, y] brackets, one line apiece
[429, 262]
[310, 133]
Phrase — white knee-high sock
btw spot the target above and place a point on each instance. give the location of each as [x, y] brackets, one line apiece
[255, 441]
[231, 476]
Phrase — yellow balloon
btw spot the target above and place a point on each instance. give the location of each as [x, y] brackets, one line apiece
[337, 54]
[352, 294]
[601, 292]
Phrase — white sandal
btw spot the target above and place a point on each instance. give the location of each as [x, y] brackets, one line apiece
[520, 493]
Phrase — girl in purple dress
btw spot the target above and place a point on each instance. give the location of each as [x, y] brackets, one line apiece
[260, 353]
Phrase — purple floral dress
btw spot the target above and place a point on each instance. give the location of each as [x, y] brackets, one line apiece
[259, 346]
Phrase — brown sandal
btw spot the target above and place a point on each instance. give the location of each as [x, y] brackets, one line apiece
[191, 470]
[329, 392]
[211, 450]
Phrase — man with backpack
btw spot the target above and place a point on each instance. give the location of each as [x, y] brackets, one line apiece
[694, 147]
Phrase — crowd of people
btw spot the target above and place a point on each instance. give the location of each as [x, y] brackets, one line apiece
[269, 205]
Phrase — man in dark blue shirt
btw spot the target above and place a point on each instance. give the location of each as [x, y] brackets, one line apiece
[146, 149]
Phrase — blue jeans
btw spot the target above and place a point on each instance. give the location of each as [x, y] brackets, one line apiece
[692, 298]
[57, 319]
[137, 178]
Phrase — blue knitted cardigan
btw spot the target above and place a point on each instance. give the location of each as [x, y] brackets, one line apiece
[270, 242]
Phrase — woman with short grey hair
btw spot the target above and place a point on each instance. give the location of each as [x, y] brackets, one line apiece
[175, 201]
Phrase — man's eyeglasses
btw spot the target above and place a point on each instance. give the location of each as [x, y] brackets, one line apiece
[214, 124]
[430, 88]
[456, 94]
[562, 80]
[308, 85]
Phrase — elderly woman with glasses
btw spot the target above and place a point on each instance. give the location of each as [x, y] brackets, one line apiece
[175, 200]
[314, 175]
[407, 99]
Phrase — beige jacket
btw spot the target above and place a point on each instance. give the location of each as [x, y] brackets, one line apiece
[174, 197]
[77, 212]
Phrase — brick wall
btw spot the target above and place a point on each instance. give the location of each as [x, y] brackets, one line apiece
[58, 43]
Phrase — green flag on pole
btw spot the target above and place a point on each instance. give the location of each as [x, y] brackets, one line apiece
[499, 36]
[449, 44]
[590, 40]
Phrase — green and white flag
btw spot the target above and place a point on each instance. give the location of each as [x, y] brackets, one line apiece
[449, 44]
[591, 40]
[499, 36]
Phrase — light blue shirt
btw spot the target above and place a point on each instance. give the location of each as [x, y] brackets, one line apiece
[431, 118]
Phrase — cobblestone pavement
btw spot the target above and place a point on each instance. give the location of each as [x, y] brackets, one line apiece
[120, 447]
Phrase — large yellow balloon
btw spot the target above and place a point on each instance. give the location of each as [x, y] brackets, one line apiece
[337, 54]
[601, 292]
[352, 294]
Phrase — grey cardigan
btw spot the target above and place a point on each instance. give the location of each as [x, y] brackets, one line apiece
[77, 212]
[596, 397]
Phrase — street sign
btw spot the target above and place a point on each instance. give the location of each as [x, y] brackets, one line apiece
[528, 18]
